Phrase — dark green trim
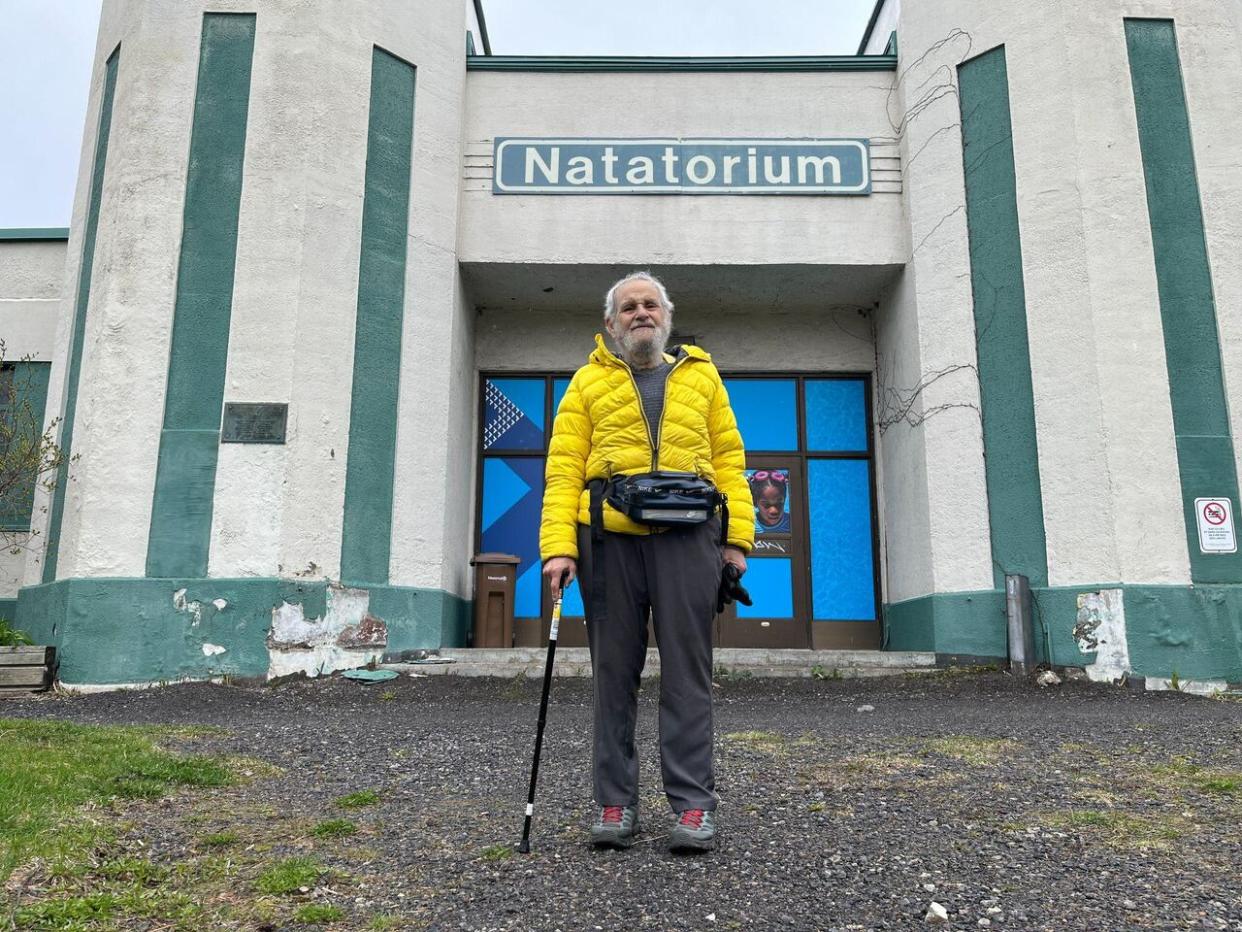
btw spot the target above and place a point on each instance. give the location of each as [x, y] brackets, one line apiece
[950, 623]
[366, 537]
[185, 477]
[1015, 501]
[36, 233]
[875, 18]
[469, 43]
[478, 12]
[8, 611]
[29, 392]
[126, 630]
[891, 47]
[1193, 630]
[637, 63]
[51, 552]
[1205, 455]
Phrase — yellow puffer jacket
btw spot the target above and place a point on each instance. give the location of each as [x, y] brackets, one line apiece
[601, 431]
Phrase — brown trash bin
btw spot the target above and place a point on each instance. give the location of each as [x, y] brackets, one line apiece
[495, 584]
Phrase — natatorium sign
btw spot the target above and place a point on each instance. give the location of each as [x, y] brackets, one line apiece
[681, 166]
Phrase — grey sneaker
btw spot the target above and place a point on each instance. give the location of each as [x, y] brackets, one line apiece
[615, 827]
[694, 830]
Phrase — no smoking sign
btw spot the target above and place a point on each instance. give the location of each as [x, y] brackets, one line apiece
[1215, 519]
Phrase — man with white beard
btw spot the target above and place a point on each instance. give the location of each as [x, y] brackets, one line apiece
[628, 419]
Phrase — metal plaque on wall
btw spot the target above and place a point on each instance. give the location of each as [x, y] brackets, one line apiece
[246, 422]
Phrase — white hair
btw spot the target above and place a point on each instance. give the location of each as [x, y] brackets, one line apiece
[610, 300]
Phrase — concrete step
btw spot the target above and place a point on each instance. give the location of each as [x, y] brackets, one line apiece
[728, 662]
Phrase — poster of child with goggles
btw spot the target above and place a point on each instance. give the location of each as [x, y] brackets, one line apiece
[769, 489]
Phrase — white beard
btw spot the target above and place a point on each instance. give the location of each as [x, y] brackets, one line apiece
[644, 350]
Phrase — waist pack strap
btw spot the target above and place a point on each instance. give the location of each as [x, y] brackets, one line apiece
[724, 519]
[596, 602]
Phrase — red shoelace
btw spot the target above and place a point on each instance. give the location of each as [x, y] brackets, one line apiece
[692, 818]
[613, 814]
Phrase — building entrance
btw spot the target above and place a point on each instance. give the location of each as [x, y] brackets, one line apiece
[813, 575]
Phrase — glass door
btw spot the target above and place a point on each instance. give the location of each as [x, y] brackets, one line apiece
[776, 568]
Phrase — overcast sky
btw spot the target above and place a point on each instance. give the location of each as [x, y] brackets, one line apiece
[47, 46]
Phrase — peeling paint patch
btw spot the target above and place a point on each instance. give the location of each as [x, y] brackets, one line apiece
[1101, 629]
[194, 608]
[370, 632]
[210, 650]
[347, 636]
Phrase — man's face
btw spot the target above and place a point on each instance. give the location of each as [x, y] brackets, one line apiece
[641, 327]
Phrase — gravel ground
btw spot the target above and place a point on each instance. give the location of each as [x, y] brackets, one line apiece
[1013, 806]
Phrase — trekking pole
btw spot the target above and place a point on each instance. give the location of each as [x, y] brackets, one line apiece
[524, 845]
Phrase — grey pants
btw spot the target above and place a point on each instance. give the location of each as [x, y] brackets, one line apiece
[675, 574]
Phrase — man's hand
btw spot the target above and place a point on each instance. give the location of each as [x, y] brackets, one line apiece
[560, 572]
[732, 555]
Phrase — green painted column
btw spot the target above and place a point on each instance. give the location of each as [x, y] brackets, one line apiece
[82, 299]
[189, 442]
[366, 538]
[1015, 501]
[1205, 457]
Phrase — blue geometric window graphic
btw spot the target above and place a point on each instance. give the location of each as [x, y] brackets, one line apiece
[766, 412]
[559, 387]
[842, 567]
[513, 414]
[512, 499]
[836, 415]
[770, 583]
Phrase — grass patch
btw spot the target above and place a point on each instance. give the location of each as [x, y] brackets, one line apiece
[497, 853]
[289, 875]
[218, 840]
[972, 750]
[334, 828]
[766, 741]
[385, 922]
[358, 800]
[50, 769]
[1181, 773]
[1120, 829]
[318, 913]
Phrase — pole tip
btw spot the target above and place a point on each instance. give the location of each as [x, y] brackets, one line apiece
[523, 847]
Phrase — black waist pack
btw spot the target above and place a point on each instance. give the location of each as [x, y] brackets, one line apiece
[664, 499]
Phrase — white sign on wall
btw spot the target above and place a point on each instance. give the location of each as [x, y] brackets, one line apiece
[1215, 518]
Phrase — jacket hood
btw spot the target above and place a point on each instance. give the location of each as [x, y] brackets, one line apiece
[603, 356]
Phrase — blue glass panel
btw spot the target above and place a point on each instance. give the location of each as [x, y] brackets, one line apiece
[559, 387]
[842, 569]
[571, 603]
[769, 580]
[512, 500]
[836, 415]
[513, 414]
[766, 411]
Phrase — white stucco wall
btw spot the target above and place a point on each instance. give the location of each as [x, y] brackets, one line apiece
[949, 454]
[901, 436]
[1108, 466]
[885, 24]
[277, 509]
[108, 507]
[31, 277]
[837, 340]
[742, 230]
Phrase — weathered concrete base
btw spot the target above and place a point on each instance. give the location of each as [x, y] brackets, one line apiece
[141, 631]
[1110, 630]
[729, 662]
